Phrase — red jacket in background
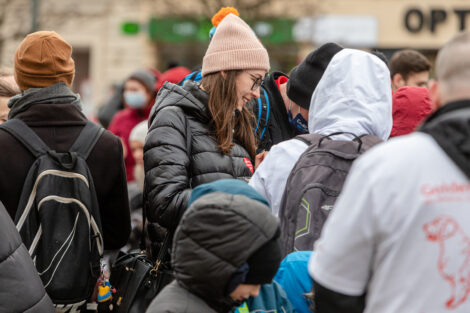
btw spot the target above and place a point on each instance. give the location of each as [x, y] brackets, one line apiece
[411, 105]
[173, 75]
[121, 125]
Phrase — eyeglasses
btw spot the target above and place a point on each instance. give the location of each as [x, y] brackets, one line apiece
[257, 81]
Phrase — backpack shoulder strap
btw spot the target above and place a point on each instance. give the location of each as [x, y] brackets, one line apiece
[368, 141]
[87, 139]
[23, 133]
[264, 104]
[310, 139]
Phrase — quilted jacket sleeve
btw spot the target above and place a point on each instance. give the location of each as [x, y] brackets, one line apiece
[167, 160]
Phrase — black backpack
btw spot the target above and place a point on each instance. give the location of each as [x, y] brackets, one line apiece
[58, 216]
[313, 186]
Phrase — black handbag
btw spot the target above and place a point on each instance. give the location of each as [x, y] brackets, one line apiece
[137, 279]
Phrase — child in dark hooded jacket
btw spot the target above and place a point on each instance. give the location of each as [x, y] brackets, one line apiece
[225, 247]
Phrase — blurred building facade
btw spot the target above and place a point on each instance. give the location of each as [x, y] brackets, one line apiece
[111, 38]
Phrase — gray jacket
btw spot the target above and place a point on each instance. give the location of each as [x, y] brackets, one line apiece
[216, 235]
[21, 289]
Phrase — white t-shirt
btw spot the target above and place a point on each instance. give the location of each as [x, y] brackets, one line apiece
[400, 230]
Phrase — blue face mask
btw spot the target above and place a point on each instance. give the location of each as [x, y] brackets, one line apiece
[298, 122]
[136, 100]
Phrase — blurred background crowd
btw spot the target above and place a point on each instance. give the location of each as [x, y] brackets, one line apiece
[113, 38]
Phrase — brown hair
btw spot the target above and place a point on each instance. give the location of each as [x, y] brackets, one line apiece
[405, 62]
[223, 101]
[7, 89]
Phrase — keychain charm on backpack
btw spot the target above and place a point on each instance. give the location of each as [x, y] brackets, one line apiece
[105, 296]
[105, 292]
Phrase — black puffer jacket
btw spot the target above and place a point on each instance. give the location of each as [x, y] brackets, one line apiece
[181, 152]
[217, 234]
[21, 289]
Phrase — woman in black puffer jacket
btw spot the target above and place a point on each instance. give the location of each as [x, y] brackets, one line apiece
[203, 132]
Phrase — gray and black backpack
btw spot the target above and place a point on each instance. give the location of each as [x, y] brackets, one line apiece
[58, 216]
[313, 186]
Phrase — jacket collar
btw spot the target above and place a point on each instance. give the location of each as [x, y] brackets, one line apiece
[58, 93]
[58, 114]
[450, 128]
[190, 98]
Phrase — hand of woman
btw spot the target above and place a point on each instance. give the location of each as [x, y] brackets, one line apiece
[259, 158]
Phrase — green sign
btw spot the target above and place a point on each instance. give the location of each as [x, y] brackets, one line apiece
[179, 30]
[274, 31]
[130, 28]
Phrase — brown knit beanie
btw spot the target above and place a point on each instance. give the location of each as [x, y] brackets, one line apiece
[43, 59]
[234, 47]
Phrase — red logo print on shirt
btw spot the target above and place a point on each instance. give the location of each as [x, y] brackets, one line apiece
[454, 256]
[249, 164]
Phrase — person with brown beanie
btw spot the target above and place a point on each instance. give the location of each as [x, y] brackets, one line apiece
[44, 71]
[202, 132]
[226, 246]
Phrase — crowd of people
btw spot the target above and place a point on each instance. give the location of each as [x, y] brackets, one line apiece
[322, 190]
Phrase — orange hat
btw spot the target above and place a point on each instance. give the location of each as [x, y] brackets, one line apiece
[43, 59]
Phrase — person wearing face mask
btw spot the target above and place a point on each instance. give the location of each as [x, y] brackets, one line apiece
[285, 100]
[202, 132]
[138, 96]
[350, 94]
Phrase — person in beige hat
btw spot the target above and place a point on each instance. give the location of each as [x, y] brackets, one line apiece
[44, 71]
[202, 132]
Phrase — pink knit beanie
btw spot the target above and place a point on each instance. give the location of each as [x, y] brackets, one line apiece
[234, 47]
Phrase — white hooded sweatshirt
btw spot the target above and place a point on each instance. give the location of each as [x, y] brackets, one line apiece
[354, 95]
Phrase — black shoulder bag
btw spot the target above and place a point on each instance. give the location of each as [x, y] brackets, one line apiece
[138, 279]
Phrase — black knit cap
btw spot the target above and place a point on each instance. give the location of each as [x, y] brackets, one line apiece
[265, 262]
[304, 78]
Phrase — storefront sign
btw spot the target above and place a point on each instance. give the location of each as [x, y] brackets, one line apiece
[349, 30]
[417, 20]
[275, 31]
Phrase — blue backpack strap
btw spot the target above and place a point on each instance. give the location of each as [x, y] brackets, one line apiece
[259, 114]
[198, 77]
[263, 105]
[195, 76]
[23, 133]
[267, 112]
[87, 139]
